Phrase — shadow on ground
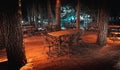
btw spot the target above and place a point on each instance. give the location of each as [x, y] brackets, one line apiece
[4, 65]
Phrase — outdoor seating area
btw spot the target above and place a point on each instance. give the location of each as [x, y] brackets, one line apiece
[60, 35]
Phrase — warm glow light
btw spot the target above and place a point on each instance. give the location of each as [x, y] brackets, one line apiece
[3, 60]
[118, 38]
[22, 21]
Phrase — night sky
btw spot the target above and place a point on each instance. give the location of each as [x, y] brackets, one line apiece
[8, 6]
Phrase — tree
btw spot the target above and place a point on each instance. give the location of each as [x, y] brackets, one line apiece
[2, 40]
[13, 35]
[50, 15]
[41, 14]
[78, 16]
[102, 26]
[35, 14]
[58, 12]
[28, 15]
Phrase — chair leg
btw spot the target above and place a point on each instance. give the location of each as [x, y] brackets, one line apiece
[49, 52]
[68, 51]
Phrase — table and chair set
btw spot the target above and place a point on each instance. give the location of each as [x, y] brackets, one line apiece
[57, 42]
[60, 42]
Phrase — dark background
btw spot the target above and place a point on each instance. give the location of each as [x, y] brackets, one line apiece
[112, 5]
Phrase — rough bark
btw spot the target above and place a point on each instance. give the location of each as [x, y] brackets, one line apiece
[13, 37]
[2, 34]
[102, 27]
[14, 42]
[58, 12]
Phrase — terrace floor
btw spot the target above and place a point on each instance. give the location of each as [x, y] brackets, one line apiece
[88, 56]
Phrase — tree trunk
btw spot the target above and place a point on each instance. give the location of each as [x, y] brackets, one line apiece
[13, 36]
[35, 14]
[78, 16]
[28, 16]
[14, 42]
[50, 15]
[58, 12]
[102, 27]
[41, 15]
[2, 34]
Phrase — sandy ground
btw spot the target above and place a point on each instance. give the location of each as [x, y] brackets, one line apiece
[88, 56]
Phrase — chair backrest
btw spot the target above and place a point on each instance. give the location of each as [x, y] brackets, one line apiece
[49, 40]
[77, 37]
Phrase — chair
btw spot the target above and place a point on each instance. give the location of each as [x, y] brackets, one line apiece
[51, 43]
[65, 44]
[80, 35]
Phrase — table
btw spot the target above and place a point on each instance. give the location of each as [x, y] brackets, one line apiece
[63, 32]
[28, 30]
[114, 35]
[65, 38]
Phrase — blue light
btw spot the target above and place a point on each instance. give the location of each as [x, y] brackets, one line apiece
[38, 21]
[69, 19]
[81, 17]
[88, 16]
[72, 18]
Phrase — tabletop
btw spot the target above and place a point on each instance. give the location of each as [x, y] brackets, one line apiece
[63, 32]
